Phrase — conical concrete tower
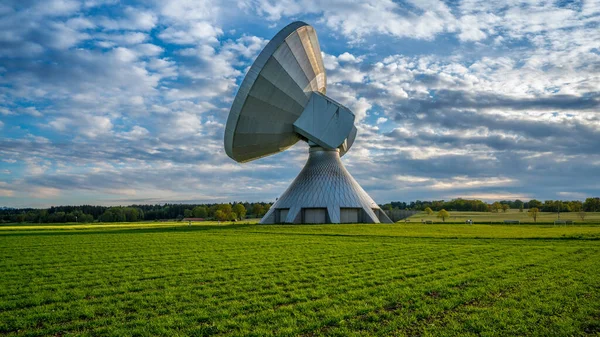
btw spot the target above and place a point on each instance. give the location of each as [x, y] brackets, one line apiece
[325, 192]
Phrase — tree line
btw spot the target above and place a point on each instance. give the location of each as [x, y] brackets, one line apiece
[589, 205]
[241, 210]
[133, 213]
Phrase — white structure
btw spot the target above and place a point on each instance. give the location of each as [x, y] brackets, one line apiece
[281, 101]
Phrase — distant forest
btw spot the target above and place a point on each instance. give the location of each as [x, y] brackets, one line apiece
[132, 213]
[241, 210]
[589, 205]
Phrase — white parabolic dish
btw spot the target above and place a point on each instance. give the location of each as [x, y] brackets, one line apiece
[283, 100]
[274, 94]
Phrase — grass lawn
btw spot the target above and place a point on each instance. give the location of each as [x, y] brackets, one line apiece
[512, 214]
[346, 280]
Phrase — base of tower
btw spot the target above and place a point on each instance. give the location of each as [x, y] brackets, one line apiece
[325, 192]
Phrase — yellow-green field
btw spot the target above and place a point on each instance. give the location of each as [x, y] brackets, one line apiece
[513, 214]
[114, 225]
[210, 279]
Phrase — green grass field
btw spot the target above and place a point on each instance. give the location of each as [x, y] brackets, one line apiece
[512, 214]
[311, 280]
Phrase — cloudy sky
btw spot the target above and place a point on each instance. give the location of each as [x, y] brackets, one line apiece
[117, 102]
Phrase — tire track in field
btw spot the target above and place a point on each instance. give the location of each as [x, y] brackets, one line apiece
[124, 294]
[400, 307]
[301, 260]
[367, 261]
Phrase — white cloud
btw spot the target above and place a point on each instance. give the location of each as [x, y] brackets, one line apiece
[93, 126]
[411, 179]
[573, 195]
[87, 125]
[358, 19]
[330, 61]
[32, 111]
[490, 197]
[186, 122]
[63, 36]
[121, 191]
[194, 33]
[36, 167]
[124, 55]
[164, 67]
[188, 10]
[6, 112]
[6, 192]
[56, 7]
[80, 23]
[347, 57]
[274, 10]
[60, 123]
[148, 49]
[127, 38]
[133, 19]
[470, 29]
[137, 132]
[246, 46]
[469, 183]
[137, 100]
[45, 192]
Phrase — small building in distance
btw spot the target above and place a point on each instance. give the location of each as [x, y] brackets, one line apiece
[193, 219]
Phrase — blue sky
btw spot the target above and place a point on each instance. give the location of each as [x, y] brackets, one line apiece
[118, 102]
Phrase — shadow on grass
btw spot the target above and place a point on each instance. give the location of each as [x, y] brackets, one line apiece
[116, 230]
[585, 237]
[276, 229]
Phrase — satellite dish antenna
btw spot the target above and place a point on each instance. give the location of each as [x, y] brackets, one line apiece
[281, 101]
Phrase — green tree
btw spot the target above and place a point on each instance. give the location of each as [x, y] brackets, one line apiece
[548, 206]
[428, 210]
[85, 218]
[240, 210]
[188, 213]
[220, 215]
[258, 210]
[70, 217]
[200, 212]
[518, 204]
[226, 208]
[591, 205]
[443, 214]
[106, 217]
[44, 216]
[118, 214]
[496, 207]
[576, 206]
[131, 214]
[505, 208]
[533, 213]
[534, 204]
